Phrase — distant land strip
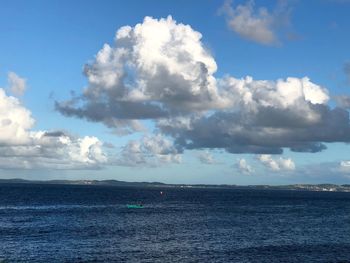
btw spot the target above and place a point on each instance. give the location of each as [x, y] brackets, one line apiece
[299, 187]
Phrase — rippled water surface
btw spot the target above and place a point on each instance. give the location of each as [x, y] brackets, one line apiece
[56, 223]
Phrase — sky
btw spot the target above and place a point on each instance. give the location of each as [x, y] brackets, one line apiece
[213, 92]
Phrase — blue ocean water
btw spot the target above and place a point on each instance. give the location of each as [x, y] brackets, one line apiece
[66, 223]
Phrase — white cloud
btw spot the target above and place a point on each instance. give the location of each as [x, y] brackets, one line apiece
[63, 152]
[258, 25]
[15, 121]
[244, 167]
[159, 70]
[344, 166]
[251, 94]
[21, 147]
[206, 158]
[150, 151]
[264, 116]
[17, 85]
[155, 69]
[276, 164]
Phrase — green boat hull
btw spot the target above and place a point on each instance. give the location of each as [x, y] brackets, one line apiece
[134, 206]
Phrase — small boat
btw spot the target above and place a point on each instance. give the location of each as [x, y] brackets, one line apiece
[135, 206]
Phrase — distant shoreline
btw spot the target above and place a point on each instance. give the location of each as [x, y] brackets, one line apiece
[295, 187]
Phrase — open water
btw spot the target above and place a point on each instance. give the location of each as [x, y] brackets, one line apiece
[66, 223]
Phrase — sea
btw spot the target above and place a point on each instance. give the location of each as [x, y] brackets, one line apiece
[72, 223]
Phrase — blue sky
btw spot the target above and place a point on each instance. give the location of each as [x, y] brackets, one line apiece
[48, 44]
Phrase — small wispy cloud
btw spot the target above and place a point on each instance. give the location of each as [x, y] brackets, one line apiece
[206, 158]
[344, 166]
[343, 101]
[149, 151]
[277, 164]
[257, 24]
[243, 166]
[17, 85]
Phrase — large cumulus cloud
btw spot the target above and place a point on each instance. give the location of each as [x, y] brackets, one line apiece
[155, 69]
[265, 117]
[21, 147]
[159, 70]
[15, 121]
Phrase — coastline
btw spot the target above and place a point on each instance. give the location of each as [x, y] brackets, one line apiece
[116, 183]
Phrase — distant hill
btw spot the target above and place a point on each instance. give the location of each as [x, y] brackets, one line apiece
[300, 187]
[80, 182]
